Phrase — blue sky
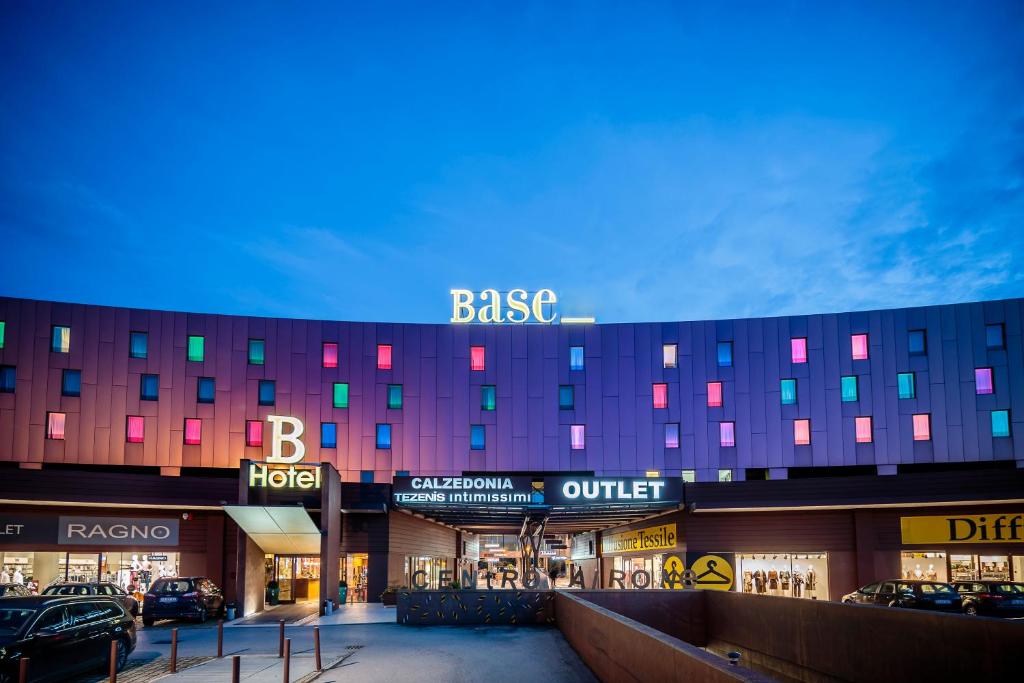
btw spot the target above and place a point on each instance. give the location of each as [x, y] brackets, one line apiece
[647, 161]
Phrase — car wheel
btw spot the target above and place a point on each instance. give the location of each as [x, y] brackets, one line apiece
[895, 603]
[971, 609]
[847, 602]
[147, 621]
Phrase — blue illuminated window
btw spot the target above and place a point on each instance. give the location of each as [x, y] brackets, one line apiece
[994, 336]
[788, 389]
[1000, 423]
[401, 473]
[71, 383]
[383, 436]
[206, 390]
[848, 388]
[267, 392]
[575, 357]
[366, 477]
[8, 378]
[566, 397]
[477, 437]
[905, 384]
[725, 354]
[138, 345]
[328, 435]
[149, 387]
[917, 343]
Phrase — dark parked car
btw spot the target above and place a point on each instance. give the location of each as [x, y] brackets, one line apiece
[189, 597]
[13, 590]
[931, 595]
[62, 636]
[993, 598]
[130, 604]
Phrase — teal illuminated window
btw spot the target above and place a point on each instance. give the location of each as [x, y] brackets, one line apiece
[849, 388]
[1000, 423]
[206, 390]
[488, 397]
[395, 396]
[477, 438]
[566, 397]
[61, 339]
[196, 348]
[149, 388]
[366, 477]
[341, 395]
[328, 435]
[725, 354]
[3, 332]
[905, 384]
[138, 345]
[788, 389]
[575, 357]
[267, 392]
[71, 383]
[257, 351]
[383, 436]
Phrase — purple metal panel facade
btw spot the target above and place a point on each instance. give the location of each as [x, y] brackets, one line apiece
[526, 364]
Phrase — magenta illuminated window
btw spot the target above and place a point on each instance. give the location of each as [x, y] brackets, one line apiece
[862, 426]
[859, 344]
[330, 355]
[727, 433]
[136, 429]
[253, 433]
[193, 431]
[801, 432]
[476, 358]
[577, 437]
[55, 425]
[383, 356]
[922, 427]
[661, 396]
[714, 394]
[983, 381]
[798, 349]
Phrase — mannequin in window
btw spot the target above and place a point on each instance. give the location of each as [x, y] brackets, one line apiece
[5, 575]
[773, 580]
[931, 574]
[812, 579]
[759, 581]
[18, 576]
[798, 582]
[917, 572]
[784, 577]
[748, 581]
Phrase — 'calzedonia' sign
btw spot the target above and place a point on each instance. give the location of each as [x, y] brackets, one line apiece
[463, 490]
[262, 475]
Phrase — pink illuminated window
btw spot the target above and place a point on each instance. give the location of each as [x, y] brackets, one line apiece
[727, 433]
[136, 430]
[859, 344]
[577, 437]
[193, 431]
[55, 425]
[476, 358]
[330, 355]
[863, 428]
[922, 427]
[383, 356]
[253, 433]
[661, 396]
[801, 432]
[798, 349]
[983, 381]
[714, 394]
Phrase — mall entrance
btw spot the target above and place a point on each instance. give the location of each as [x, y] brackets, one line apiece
[297, 578]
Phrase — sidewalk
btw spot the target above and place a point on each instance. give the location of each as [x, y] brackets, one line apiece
[255, 669]
[357, 613]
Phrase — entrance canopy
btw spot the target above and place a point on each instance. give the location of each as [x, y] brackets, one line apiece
[278, 530]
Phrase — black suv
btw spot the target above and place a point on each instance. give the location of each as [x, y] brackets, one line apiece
[62, 636]
[930, 595]
[993, 598]
[106, 588]
[8, 590]
[190, 597]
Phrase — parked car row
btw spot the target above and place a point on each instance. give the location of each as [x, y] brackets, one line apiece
[993, 598]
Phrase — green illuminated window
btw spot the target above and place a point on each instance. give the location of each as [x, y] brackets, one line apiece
[566, 397]
[488, 397]
[905, 384]
[1000, 423]
[3, 330]
[788, 388]
[395, 396]
[341, 395]
[257, 351]
[196, 347]
[849, 388]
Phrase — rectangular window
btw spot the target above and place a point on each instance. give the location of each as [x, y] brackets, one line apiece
[196, 348]
[253, 433]
[725, 354]
[383, 436]
[652, 473]
[859, 346]
[801, 432]
[267, 392]
[488, 397]
[724, 475]
[383, 356]
[341, 395]
[257, 352]
[689, 476]
[135, 431]
[55, 426]
[905, 384]
[477, 438]
[994, 336]
[61, 339]
[8, 379]
[917, 343]
[798, 349]
[476, 358]
[577, 437]
[848, 388]
[193, 431]
[566, 397]
[71, 383]
[787, 387]
[575, 357]
[714, 394]
[862, 426]
[671, 435]
[1000, 423]
[330, 355]
[660, 395]
[3, 333]
[138, 345]
[366, 477]
[669, 355]
[149, 387]
[983, 381]
[395, 396]
[922, 427]
[727, 434]
[328, 435]
[206, 390]
[401, 473]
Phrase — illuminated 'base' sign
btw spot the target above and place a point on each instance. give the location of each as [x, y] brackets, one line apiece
[261, 476]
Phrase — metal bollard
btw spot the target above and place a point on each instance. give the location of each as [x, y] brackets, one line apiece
[316, 647]
[280, 639]
[220, 638]
[174, 650]
[113, 661]
[236, 668]
[23, 670]
[287, 658]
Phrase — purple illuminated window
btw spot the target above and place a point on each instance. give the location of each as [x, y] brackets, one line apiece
[801, 432]
[661, 396]
[330, 355]
[983, 381]
[193, 431]
[253, 433]
[136, 429]
[476, 358]
[55, 425]
[672, 435]
[859, 346]
[577, 437]
[727, 433]
[798, 349]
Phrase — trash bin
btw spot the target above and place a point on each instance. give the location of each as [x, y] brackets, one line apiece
[230, 611]
[273, 592]
[328, 607]
[342, 593]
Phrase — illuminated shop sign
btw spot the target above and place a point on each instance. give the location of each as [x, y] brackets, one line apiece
[116, 531]
[640, 540]
[464, 491]
[990, 528]
[596, 490]
[285, 430]
[516, 306]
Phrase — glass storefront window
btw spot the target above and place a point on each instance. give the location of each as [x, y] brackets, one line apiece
[630, 565]
[995, 567]
[925, 566]
[797, 575]
[431, 568]
[354, 570]
[962, 568]
[136, 572]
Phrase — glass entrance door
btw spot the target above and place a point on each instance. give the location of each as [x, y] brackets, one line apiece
[286, 578]
[298, 578]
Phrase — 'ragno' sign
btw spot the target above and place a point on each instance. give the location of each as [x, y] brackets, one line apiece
[117, 531]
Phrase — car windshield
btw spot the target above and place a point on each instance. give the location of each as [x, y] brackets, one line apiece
[171, 586]
[1009, 588]
[928, 588]
[66, 590]
[13, 619]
